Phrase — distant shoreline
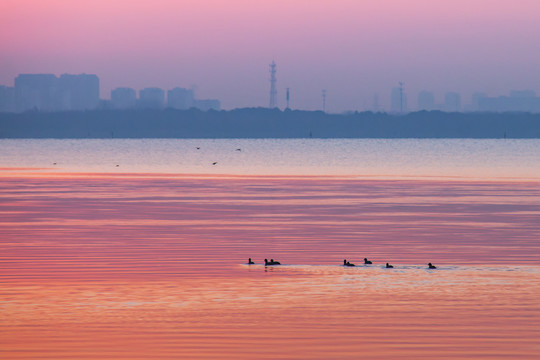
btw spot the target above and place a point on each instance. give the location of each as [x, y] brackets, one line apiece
[259, 123]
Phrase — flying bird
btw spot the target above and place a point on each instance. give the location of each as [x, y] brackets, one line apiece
[214, 163]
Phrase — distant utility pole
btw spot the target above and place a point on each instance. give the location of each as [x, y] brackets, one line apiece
[273, 91]
[288, 98]
[324, 100]
[401, 97]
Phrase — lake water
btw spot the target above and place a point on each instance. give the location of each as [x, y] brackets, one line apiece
[148, 259]
[491, 159]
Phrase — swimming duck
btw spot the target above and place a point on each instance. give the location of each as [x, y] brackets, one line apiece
[388, 266]
[346, 263]
[431, 266]
[367, 262]
[271, 262]
[250, 262]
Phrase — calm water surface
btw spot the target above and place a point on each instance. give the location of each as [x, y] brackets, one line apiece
[402, 157]
[147, 260]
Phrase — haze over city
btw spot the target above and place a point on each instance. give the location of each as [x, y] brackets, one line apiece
[350, 48]
[269, 179]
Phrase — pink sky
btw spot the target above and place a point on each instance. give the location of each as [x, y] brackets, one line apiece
[351, 48]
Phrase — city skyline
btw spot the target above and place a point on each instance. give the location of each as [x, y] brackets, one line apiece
[463, 46]
[68, 92]
[47, 92]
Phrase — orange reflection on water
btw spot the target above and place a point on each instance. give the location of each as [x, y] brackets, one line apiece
[317, 312]
[124, 267]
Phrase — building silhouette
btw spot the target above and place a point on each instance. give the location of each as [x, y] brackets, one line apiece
[123, 98]
[7, 99]
[522, 94]
[426, 101]
[78, 92]
[180, 98]
[36, 92]
[151, 98]
[518, 101]
[46, 92]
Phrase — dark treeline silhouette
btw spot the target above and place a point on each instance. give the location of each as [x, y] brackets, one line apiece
[265, 123]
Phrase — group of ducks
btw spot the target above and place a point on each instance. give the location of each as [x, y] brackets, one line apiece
[388, 266]
[266, 262]
[345, 263]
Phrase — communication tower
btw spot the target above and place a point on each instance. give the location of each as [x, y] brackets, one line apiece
[288, 98]
[273, 91]
[324, 100]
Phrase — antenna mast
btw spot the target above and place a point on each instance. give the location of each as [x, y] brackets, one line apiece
[324, 100]
[273, 91]
[288, 98]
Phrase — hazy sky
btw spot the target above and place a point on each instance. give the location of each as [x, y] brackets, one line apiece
[352, 48]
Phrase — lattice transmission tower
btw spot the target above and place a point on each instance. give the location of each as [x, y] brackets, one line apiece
[273, 91]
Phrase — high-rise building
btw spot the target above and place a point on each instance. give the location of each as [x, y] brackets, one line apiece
[7, 99]
[426, 100]
[46, 92]
[523, 94]
[152, 98]
[518, 101]
[36, 92]
[180, 98]
[452, 102]
[78, 92]
[123, 98]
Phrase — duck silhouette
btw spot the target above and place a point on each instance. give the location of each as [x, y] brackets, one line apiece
[271, 262]
[388, 266]
[367, 262]
[250, 262]
[431, 266]
[346, 263]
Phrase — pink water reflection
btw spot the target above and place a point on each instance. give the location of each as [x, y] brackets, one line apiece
[131, 267]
